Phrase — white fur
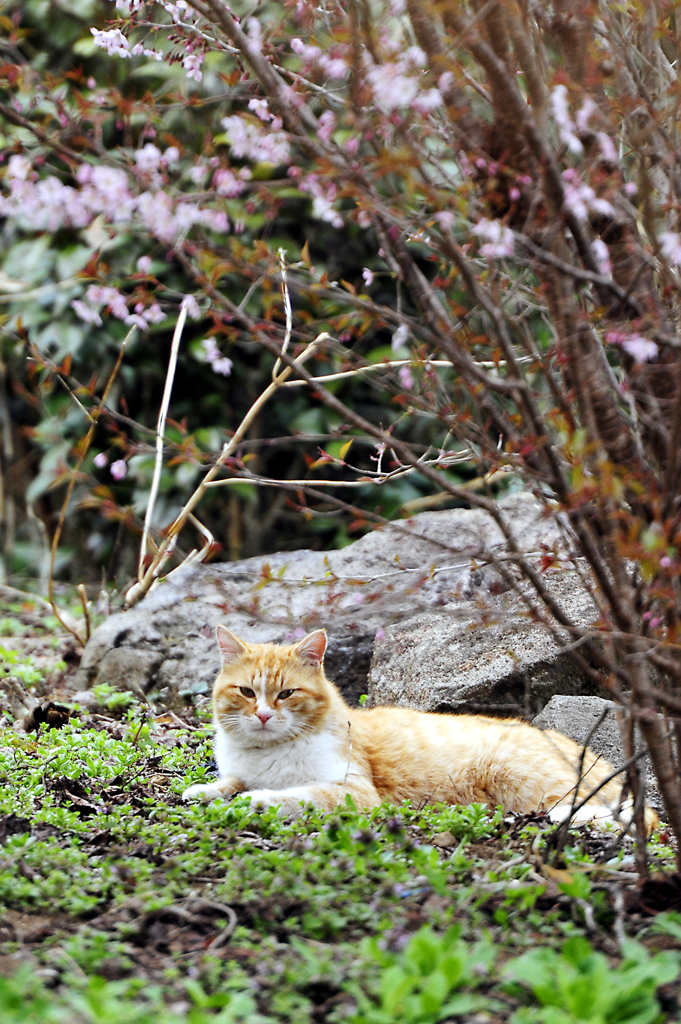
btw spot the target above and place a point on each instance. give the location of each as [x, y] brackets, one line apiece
[258, 758]
[308, 759]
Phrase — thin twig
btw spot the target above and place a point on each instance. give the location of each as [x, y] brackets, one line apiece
[160, 431]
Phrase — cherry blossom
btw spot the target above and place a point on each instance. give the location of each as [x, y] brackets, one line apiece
[113, 41]
[86, 313]
[226, 183]
[119, 469]
[191, 305]
[499, 239]
[368, 276]
[602, 255]
[101, 460]
[192, 65]
[580, 197]
[563, 121]
[670, 247]
[251, 142]
[220, 364]
[641, 349]
[399, 338]
[18, 167]
[144, 264]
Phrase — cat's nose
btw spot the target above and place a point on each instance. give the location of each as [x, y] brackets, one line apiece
[264, 714]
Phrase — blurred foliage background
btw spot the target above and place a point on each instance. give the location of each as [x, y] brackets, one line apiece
[42, 272]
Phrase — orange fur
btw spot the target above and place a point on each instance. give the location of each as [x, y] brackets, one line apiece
[290, 737]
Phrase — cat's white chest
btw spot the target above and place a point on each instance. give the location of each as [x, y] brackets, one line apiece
[306, 760]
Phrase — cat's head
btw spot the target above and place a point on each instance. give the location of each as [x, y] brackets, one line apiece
[267, 693]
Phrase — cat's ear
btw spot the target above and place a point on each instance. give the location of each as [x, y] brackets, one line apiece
[311, 648]
[230, 646]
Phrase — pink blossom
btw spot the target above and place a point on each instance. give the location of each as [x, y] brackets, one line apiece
[327, 123]
[191, 305]
[304, 50]
[220, 364]
[670, 247]
[113, 41]
[260, 108]
[144, 264]
[399, 338]
[445, 219]
[99, 295]
[499, 238]
[445, 81]
[254, 143]
[101, 460]
[416, 57]
[171, 156]
[580, 198]
[380, 632]
[406, 379]
[18, 167]
[665, 561]
[584, 114]
[390, 87]
[86, 313]
[335, 67]
[198, 173]
[514, 194]
[254, 32]
[351, 145]
[564, 123]
[427, 100]
[368, 276]
[148, 158]
[226, 184]
[119, 469]
[324, 195]
[192, 65]
[630, 189]
[154, 314]
[641, 349]
[602, 254]
[608, 150]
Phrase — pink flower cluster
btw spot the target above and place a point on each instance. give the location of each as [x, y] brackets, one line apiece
[499, 238]
[333, 67]
[563, 121]
[323, 197]
[47, 204]
[670, 247]
[580, 197]
[220, 364]
[394, 85]
[641, 349]
[102, 295]
[250, 142]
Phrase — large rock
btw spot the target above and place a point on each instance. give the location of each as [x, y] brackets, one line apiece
[419, 567]
[596, 720]
[466, 658]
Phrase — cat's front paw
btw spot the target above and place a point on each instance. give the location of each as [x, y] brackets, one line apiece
[287, 803]
[206, 793]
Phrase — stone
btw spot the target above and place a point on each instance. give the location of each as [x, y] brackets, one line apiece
[165, 645]
[472, 658]
[577, 717]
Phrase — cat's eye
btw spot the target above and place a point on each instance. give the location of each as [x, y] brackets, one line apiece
[284, 694]
[247, 691]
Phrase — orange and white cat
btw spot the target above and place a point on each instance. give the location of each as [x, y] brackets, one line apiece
[285, 736]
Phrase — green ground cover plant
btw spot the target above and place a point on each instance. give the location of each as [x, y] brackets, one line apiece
[122, 904]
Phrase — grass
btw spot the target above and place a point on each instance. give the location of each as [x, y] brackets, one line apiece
[121, 904]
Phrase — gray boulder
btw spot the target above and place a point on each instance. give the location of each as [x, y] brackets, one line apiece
[469, 659]
[414, 572]
[577, 717]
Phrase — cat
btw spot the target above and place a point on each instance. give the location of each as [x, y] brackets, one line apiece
[284, 736]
